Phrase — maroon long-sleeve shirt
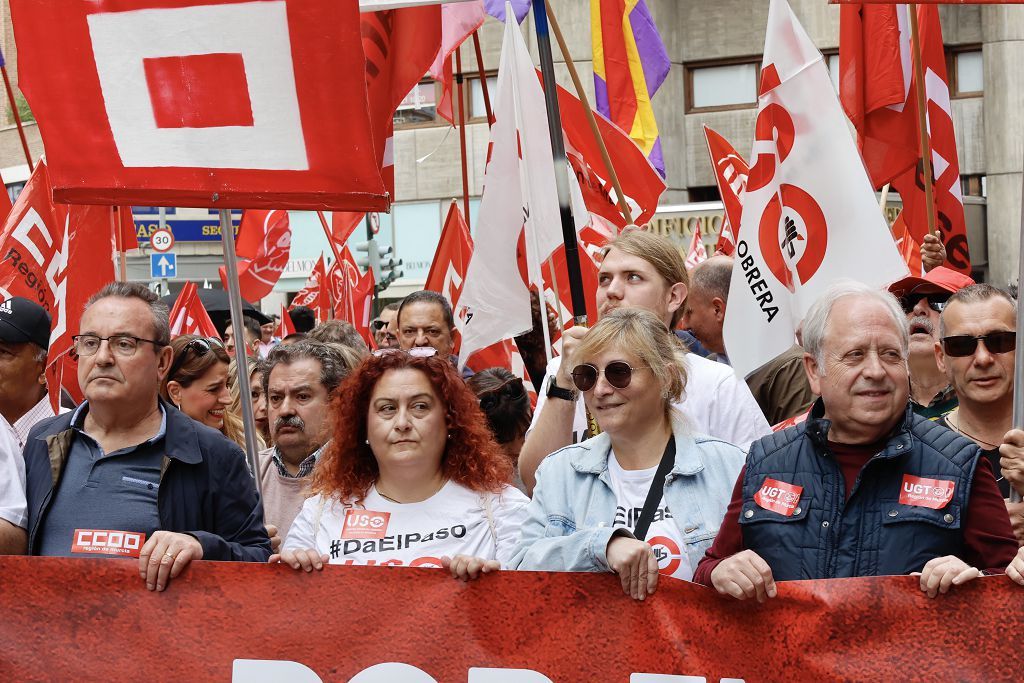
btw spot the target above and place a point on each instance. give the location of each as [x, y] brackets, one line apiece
[988, 537]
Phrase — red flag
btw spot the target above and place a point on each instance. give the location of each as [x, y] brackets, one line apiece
[237, 110]
[351, 293]
[5, 203]
[875, 87]
[949, 203]
[285, 327]
[697, 253]
[731, 176]
[458, 21]
[129, 239]
[189, 316]
[51, 256]
[314, 294]
[641, 183]
[400, 46]
[909, 248]
[343, 224]
[454, 249]
[264, 242]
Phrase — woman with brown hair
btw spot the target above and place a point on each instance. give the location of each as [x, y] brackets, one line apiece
[197, 384]
[412, 476]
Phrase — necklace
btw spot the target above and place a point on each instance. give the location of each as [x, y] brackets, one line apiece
[968, 435]
[394, 500]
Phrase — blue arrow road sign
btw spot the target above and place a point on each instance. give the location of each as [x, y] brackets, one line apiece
[163, 265]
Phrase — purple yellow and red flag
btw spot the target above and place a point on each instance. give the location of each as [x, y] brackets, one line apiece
[630, 64]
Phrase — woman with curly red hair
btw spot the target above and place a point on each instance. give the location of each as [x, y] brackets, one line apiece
[412, 476]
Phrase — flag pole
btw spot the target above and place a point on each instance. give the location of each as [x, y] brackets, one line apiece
[591, 119]
[1018, 354]
[483, 77]
[922, 119]
[462, 131]
[16, 115]
[572, 254]
[115, 229]
[227, 237]
[330, 235]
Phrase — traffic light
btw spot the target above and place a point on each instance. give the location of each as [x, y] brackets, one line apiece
[386, 268]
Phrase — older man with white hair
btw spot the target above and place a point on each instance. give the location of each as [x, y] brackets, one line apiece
[864, 487]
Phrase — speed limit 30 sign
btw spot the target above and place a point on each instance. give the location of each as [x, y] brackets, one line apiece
[161, 240]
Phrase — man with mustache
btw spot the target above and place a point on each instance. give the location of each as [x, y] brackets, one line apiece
[923, 299]
[864, 487]
[977, 339]
[127, 475]
[299, 381]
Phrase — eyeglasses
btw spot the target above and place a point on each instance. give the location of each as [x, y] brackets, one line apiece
[123, 345]
[936, 301]
[511, 389]
[416, 351]
[618, 373]
[203, 345]
[378, 324]
[960, 345]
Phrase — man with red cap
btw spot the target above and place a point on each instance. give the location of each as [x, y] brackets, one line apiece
[923, 299]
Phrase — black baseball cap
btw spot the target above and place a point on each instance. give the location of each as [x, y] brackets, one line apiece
[22, 320]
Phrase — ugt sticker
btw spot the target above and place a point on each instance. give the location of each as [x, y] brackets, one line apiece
[927, 493]
[778, 496]
[107, 542]
[365, 524]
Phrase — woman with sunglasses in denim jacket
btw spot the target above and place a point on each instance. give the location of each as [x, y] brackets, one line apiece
[197, 384]
[591, 497]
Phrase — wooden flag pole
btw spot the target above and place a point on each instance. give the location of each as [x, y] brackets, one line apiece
[17, 116]
[572, 254]
[462, 132]
[591, 119]
[922, 119]
[227, 236]
[483, 78]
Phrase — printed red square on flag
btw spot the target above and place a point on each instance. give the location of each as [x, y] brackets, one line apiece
[108, 542]
[778, 496]
[216, 103]
[365, 524]
[199, 91]
[927, 493]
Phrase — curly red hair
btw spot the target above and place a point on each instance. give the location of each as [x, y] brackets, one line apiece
[472, 458]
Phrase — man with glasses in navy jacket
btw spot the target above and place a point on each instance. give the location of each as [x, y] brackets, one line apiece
[128, 475]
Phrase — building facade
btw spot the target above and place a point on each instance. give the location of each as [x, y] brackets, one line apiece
[715, 49]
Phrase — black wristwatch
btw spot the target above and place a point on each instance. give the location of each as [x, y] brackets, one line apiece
[555, 391]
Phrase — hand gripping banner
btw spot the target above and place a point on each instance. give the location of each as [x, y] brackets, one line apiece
[222, 103]
[84, 619]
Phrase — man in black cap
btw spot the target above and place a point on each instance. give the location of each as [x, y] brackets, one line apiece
[24, 340]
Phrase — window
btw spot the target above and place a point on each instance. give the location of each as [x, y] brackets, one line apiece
[477, 110]
[832, 62]
[966, 72]
[973, 186]
[722, 86]
[419, 107]
[707, 193]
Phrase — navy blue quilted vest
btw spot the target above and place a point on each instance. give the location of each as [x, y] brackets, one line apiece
[871, 534]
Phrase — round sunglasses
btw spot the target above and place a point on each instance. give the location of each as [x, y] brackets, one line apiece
[961, 345]
[618, 373]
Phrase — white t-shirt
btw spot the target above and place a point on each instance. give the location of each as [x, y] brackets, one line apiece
[13, 506]
[454, 521]
[715, 403]
[630, 488]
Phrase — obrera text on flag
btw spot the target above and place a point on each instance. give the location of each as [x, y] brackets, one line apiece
[519, 194]
[630, 64]
[809, 213]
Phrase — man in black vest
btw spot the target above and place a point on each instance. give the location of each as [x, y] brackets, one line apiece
[864, 487]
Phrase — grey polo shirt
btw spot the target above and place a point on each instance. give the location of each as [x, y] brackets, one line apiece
[103, 495]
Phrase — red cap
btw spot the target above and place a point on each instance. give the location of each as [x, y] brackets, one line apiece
[939, 279]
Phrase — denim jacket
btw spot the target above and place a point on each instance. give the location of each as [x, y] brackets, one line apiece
[569, 520]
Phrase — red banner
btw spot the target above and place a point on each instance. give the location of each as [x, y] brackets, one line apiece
[89, 619]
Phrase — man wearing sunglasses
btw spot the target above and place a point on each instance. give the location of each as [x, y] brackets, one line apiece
[384, 327]
[923, 299]
[864, 487]
[976, 353]
[127, 475]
